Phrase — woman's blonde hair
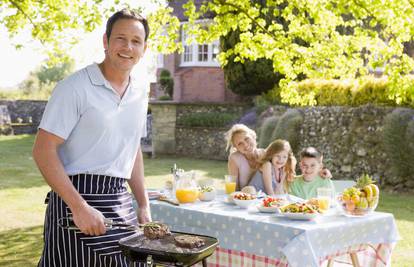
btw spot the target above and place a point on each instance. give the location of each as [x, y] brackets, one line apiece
[275, 147]
[235, 129]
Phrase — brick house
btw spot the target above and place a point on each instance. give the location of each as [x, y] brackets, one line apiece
[196, 72]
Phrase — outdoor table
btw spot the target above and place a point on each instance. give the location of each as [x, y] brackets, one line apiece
[250, 238]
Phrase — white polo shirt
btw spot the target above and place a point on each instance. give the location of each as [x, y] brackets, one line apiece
[102, 132]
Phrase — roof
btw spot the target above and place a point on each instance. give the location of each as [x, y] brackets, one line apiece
[177, 6]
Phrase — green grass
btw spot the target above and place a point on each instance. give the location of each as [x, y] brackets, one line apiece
[22, 191]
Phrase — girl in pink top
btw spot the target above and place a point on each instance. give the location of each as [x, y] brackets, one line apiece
[277, 169]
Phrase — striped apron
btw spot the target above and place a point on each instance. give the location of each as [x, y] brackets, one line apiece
[71, 248]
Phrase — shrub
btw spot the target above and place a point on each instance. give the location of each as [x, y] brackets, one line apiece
[288, 128]
[271, 97]
[326, 92]
[365, 90]
[398, 141]
[211, 119]
[266, 130]
[166, 82]
[372, 90]
[164, 98]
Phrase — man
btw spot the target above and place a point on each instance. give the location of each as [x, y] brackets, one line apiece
[88, 147]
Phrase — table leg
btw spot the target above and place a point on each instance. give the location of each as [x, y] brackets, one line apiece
[354, 259]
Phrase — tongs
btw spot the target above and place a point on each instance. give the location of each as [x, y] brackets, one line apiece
[69, 224]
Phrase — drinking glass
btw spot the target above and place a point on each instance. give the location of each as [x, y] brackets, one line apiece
[229, 183]
[324, 197]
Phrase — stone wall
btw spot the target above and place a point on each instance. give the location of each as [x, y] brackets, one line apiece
[350, 139]
[197, 142]
[164, 115]
[186, 108]
[26, 114]
[170, 138]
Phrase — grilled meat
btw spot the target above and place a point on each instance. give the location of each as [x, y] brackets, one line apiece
[188, 241]
[156, 230]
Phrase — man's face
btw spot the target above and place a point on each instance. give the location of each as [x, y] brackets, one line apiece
[310, 167]
[126, 44]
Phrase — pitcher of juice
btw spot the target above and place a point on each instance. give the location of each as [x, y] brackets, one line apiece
[186, 189]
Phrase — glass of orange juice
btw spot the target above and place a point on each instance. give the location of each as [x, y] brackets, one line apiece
[229, 183]
[324, 197]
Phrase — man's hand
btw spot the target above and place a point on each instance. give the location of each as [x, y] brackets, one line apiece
[144, 215]
[89, 220]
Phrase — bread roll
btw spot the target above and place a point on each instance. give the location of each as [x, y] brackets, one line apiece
[249, 190]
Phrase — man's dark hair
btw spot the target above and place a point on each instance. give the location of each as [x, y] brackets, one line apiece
[126, 14]
[310, 152]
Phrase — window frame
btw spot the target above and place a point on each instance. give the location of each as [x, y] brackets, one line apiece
[194, 49]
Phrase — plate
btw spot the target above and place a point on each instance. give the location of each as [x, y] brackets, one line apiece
[228, 201]
[262, 208]
[300, 216]
[153, 194]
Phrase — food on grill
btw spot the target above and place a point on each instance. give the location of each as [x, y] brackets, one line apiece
[156, 230]
[188, 241]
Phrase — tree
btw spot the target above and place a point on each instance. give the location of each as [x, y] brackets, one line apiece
[41, 81]
[57, 24]
[252, 77]
[54, 73]
[329, 39]
[167, 82]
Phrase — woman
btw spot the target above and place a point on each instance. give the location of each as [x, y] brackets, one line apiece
[244, 158]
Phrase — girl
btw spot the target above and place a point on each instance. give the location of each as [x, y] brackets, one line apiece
[277, 169]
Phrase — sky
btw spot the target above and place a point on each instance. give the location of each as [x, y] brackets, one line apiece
[15, 65]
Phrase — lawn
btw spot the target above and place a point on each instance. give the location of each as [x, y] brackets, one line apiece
[23, 190]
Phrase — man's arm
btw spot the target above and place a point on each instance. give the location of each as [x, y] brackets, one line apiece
[138, 189]
[45, 153]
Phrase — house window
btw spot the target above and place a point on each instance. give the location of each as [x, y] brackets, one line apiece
[195, 54]
[188, 53]
[203, 52]
[215, 50]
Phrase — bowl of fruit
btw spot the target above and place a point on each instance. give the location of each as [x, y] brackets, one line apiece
[244, 200]
[361, 199]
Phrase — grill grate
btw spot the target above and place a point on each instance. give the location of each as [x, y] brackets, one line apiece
[164, 251]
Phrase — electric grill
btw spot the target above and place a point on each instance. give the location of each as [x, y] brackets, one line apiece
[164, 252]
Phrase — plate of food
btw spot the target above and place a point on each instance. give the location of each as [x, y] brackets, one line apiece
[244, 200]
[300, 211]
[271, 204]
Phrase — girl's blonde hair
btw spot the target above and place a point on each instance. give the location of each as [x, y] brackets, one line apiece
[275, 147]
[235, 129]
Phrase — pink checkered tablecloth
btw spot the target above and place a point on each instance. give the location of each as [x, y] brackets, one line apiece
[368, 255]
